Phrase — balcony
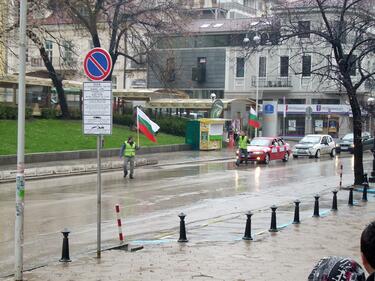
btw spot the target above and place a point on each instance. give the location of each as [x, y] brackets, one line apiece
[58, 62]
[272, 82]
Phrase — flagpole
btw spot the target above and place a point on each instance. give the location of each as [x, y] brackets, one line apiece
[137, 129]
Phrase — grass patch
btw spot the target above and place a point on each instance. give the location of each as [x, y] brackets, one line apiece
[58, 135]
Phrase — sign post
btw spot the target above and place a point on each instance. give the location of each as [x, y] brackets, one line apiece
[97, 113]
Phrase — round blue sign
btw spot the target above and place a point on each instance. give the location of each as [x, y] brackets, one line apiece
[268, 109]
[97, 64]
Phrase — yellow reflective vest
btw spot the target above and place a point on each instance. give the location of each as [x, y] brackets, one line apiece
[129, 149]
[242, 142]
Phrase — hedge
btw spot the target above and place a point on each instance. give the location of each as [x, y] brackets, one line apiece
[11, 112]
[170, 125]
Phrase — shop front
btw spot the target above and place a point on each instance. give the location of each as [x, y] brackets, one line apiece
[301, 119]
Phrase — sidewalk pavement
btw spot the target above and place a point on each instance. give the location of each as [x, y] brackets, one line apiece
[76, 167]
[287, 255]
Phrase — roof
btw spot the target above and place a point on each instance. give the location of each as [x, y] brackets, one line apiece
[191, 103]
[10, 81]
[221, 25]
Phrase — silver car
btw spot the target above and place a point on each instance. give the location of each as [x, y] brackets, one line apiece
[315, 146]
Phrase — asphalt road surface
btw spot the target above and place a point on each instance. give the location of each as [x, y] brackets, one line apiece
[151, 202]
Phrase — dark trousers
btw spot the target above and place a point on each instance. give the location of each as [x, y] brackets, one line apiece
[244, 152]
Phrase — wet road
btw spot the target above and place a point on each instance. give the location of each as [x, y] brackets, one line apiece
[150, 203]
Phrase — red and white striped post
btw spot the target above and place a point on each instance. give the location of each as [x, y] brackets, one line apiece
[119, 225]
[341, 168]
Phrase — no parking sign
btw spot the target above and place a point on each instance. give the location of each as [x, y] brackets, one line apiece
[97, 64]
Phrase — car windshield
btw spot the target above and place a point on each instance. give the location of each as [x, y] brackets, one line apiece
[310, 139]
[348, 137]
[260, 142]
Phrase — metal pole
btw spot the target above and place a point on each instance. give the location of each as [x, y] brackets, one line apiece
[20, 177]
[256, 100]
[99, 195]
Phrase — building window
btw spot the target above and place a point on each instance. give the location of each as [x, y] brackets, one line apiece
[170, 69]
[306, 66]
[240, 67]
[262, 71]
[304, 29]
[141, 61]
[48, 47]
[67, 51]
[114, 82]
[325, 101]
[284, 66]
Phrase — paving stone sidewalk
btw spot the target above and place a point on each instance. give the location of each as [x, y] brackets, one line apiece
[287, 255]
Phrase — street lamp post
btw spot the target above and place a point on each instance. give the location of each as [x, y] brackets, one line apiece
[256, 40]
[371, 105]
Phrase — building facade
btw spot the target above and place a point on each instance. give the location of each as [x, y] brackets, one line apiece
[216, 59]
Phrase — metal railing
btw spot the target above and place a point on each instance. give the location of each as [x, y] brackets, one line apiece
[271, 82]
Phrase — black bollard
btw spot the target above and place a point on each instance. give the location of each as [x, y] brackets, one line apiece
[350, 201]
[334, 201]
[247, 235]
[365, 178]
[364, 193]
[316, 206]
[182, 238]
[273, 227]
[296, 212]
[65, 246]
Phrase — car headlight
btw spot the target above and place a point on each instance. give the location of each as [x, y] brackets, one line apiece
[237, 152]
[352, 145]
[337, 145]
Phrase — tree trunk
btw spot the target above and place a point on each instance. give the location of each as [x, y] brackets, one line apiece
[357, 132]
[57, 82]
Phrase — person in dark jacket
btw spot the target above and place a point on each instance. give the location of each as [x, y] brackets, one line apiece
[368, 250]
[337, 269]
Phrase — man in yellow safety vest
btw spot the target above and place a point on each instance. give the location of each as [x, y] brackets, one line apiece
[128, 152]
[243, 140]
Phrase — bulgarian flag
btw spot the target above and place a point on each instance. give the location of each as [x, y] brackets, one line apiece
[146, 126]
[253, 119]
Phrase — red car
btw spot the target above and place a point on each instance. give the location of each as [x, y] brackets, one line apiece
[265, 149]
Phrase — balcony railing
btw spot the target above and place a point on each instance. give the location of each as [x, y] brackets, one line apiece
[58, 62]
[271, 82]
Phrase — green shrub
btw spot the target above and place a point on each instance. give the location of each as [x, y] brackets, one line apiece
[125, 120]
[170, 125]
[11, 112]
[75, 114]
[48, 113]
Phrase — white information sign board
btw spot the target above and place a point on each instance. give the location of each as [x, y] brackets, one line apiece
[97, 108]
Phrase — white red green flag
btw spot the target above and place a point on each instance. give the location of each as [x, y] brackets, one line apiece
[146, 125]
[253, 119]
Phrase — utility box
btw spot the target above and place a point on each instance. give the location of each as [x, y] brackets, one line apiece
[192, 134]
[205, 133]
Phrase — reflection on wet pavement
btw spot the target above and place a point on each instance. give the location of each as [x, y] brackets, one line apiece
[150, 203]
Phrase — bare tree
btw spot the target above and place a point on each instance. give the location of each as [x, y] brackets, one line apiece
[38, 11]
[339, 36]
[132, 21]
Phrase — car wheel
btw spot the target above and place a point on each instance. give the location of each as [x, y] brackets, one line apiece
[266, 159]
[295, 156]
[333, 153]
[286, 157]
[317, 154]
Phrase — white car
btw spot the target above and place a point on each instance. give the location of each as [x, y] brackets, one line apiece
[315, 146]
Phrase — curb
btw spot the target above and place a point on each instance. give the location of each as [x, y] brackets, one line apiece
[71, 170]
